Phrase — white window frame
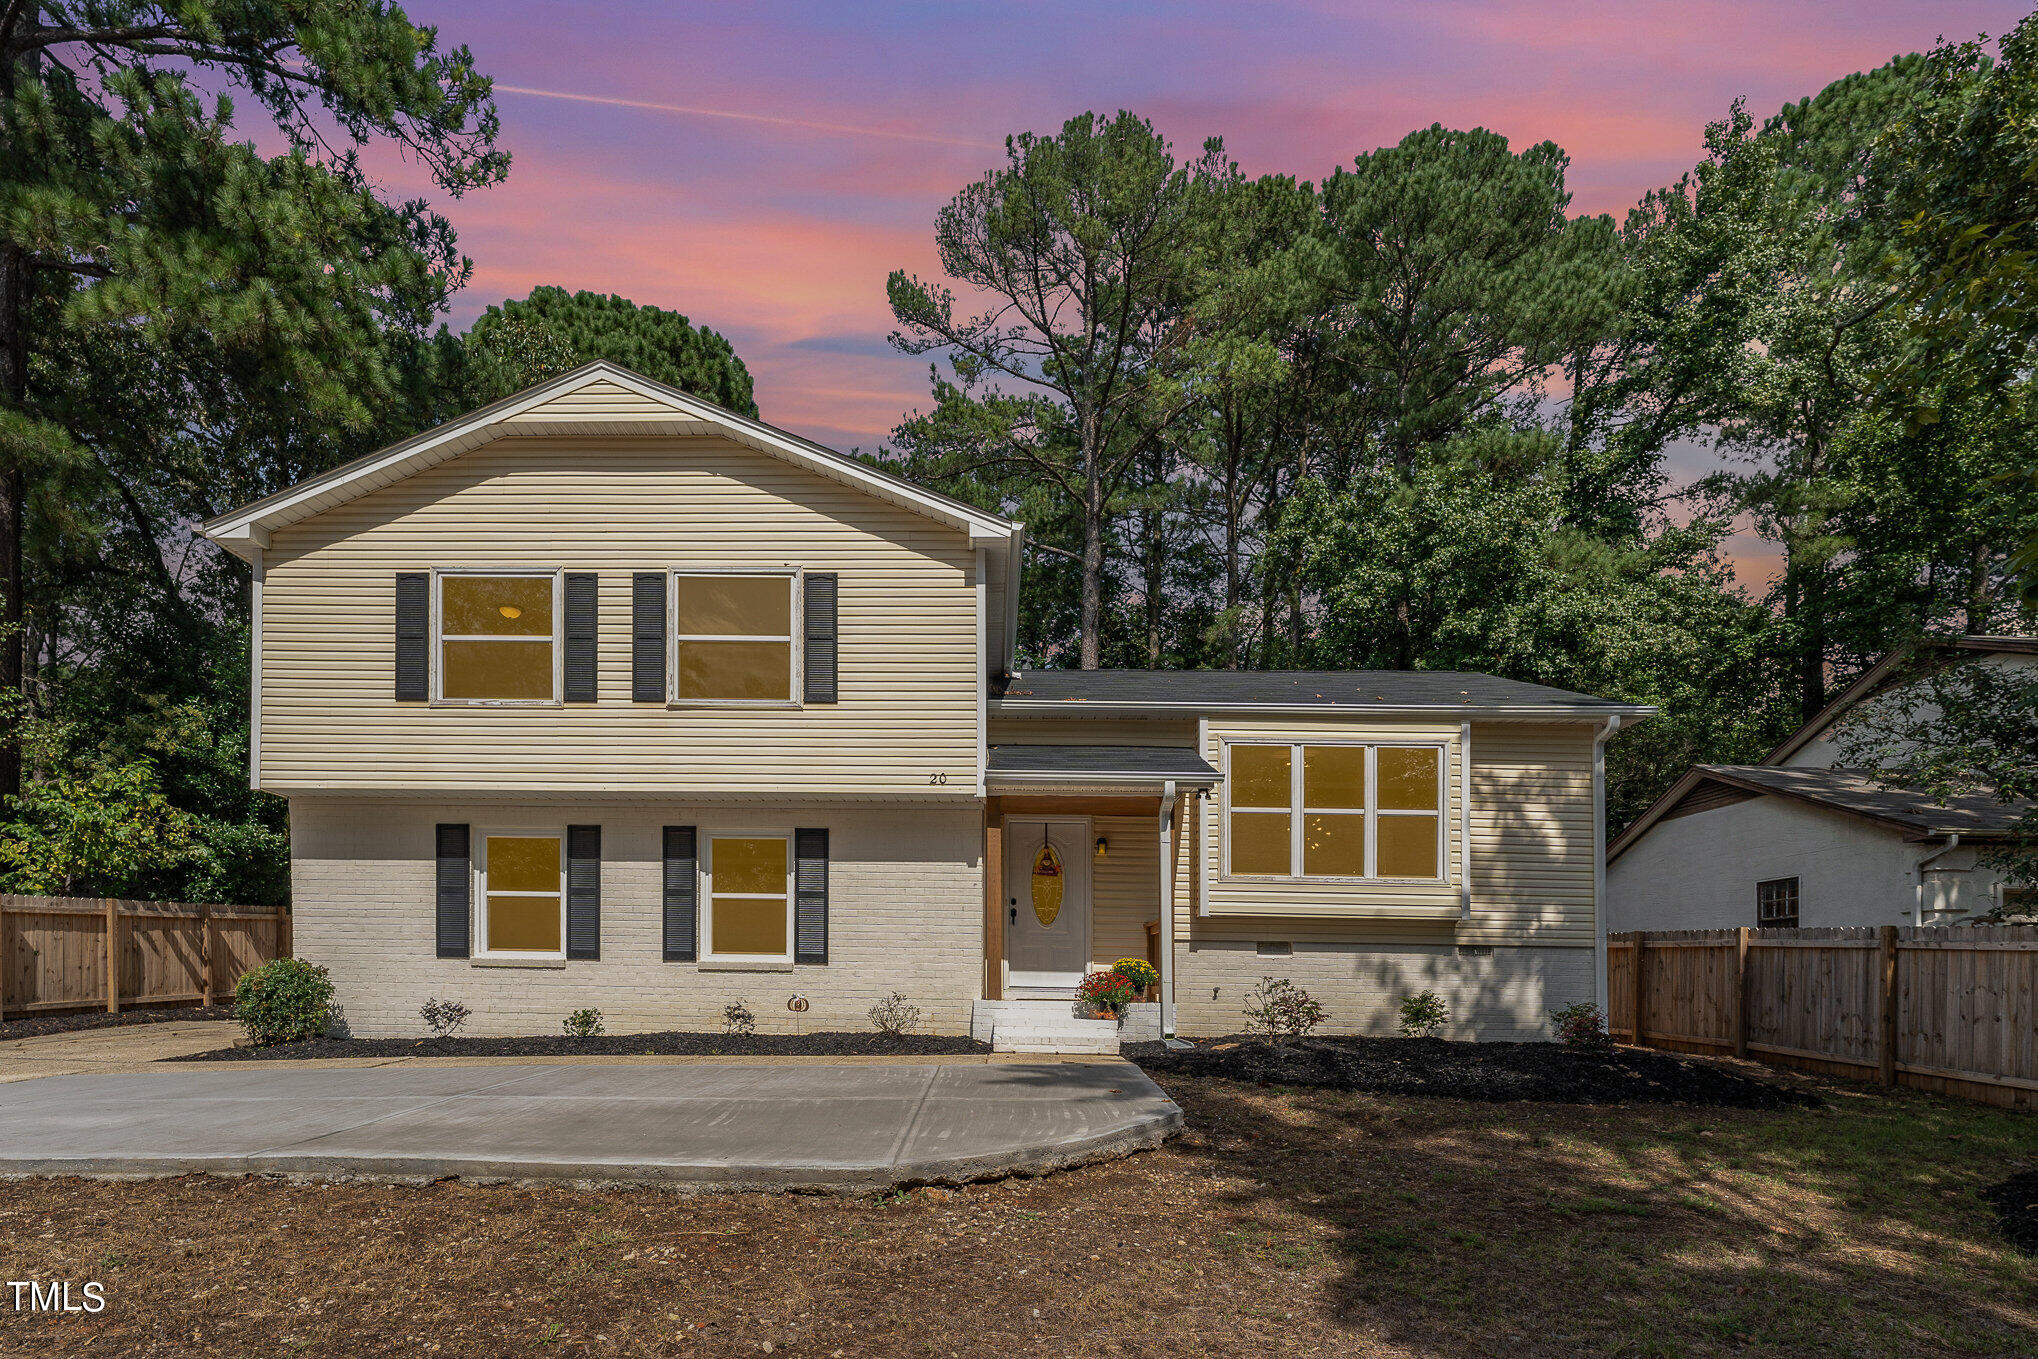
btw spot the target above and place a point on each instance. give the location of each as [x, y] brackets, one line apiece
[707, 895]
[795, 624]
[481, 893]
[557, 575]
[1298, 812]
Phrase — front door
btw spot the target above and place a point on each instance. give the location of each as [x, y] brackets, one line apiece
[1047, 903]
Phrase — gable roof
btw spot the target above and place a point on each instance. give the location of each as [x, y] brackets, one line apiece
[595, 399]
[1456, 692]
[1886, 672]
[1910, 812]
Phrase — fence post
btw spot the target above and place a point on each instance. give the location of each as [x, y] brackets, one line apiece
[1741, 992]
[205, 952]
[1640, 994]
[284, 941]
[112, 956]
[4, 957]
[1886, 1049]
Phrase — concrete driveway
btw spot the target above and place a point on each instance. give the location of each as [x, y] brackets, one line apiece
[728, 1125]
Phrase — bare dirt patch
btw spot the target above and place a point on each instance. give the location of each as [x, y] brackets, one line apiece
[35, 1026]
[1474, 1071]
[1281, 1222]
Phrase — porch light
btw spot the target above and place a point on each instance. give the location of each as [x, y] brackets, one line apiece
[1101, 843]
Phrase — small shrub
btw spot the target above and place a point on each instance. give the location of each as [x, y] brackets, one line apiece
[284, 1001]
[1280, 1009]
[1110, 992]
[737, 1019]
[1580, 1025]
[1138, 971]
[894, 1016]
[583, 1024]
[444, 1017]
[1422, 1014]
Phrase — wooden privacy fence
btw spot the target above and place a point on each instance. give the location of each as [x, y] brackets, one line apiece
[1952, 1009]
[56, 953]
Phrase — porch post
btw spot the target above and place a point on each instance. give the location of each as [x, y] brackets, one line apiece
[1168, 860]
[994, 899]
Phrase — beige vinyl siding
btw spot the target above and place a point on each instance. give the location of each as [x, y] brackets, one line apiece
[909, 689]
[1091, 731]
[597, 400]
[1532, 842]
[1125, 887]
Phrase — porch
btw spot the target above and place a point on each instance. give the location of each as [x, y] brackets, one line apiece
[1075, 879]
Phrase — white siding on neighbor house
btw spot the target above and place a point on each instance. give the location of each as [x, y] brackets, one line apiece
[1824, 751]
[909, 687]
[1698, 872]
[905, 914]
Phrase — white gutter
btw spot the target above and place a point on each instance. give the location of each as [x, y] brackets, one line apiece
[983, 586]
[1918, 909]
[255, 664]
[1167, 940]
[1465, 821]
[1600, 996]
[1072, 707]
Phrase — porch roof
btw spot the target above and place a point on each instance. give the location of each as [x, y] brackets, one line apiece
[1030, 764]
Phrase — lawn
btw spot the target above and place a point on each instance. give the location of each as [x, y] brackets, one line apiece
[1282, 1223]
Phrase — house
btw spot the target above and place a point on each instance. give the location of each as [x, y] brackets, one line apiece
[1802, 841]
[605, 696]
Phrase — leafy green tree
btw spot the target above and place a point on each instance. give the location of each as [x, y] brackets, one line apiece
[110, 833]
[1086, 244]
[145, 253]
[523, 341]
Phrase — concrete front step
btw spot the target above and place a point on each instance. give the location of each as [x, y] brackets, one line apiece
[1041, 1026]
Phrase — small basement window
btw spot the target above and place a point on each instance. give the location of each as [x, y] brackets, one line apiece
[497, 638]
[1776, 904]
[733, 637]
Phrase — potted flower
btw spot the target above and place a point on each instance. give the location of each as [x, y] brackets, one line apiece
[1107, 994]
[1140, 973]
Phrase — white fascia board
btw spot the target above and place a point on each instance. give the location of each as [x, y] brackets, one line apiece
[1007, 707]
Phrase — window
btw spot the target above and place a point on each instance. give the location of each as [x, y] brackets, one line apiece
[498, 638]
[1335, 810]
[733, 637]
[750, 897]
[1776, 904]
[523, 904]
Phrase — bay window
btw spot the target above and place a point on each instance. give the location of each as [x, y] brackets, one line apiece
[1334, 811]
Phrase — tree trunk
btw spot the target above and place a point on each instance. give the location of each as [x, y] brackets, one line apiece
[1093, 546]
[1979, 597]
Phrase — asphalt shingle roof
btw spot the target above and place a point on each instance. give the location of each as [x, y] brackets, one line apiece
[1066, 762]
[1850, 790]
[1252, 688]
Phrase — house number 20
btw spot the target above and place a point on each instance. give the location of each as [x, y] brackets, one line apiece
[937, 778]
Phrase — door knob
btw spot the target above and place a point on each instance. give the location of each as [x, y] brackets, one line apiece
[1015, 915]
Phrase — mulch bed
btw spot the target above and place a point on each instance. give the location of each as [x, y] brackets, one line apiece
[2016, 1203]
[1472, 1071]
[34, 1026]
[613, 1045]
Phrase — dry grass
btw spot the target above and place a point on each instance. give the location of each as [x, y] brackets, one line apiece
[1282, 1223]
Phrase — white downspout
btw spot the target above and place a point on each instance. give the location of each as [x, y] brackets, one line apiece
[1918, 909]
[1167, 941]
[260, 573]
[1599, 993]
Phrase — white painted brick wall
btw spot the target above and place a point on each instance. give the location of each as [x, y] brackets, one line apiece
[1502, 995]
[906, 914]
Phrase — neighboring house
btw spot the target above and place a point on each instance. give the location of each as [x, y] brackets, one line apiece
[604, 696]
[1799, 841]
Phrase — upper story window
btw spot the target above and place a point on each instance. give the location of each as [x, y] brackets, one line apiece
[1335, 811]
[498, 637]
[733, 637]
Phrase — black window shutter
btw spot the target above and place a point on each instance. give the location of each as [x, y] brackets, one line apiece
[583, 892]
[820, 628]
[413, 636]
[647, 637]
[581, 615]
[810, 896]
[682, 900]
[454, 883]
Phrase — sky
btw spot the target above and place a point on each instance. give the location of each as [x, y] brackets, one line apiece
[762, 167]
